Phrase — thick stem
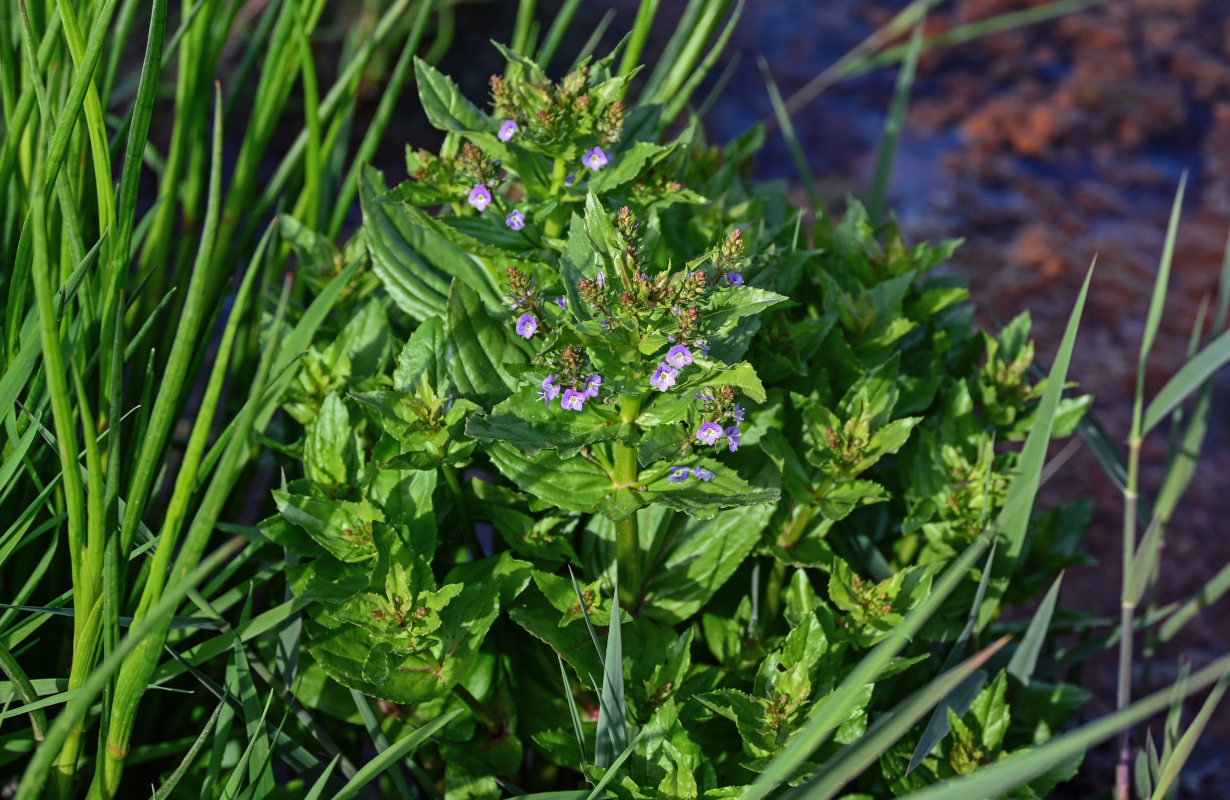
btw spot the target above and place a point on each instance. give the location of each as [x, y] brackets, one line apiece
[773, 593]
[555, 222]
[627, 544]
[794, 531]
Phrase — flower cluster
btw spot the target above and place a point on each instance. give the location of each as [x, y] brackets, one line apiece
[720, 407]
[555, 113]
[569, 379]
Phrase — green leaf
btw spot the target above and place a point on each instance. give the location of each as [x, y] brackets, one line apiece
[742, 376]
[628, 165]
[395, 247]
[422, 355]
[447, 109]
[342, 528]
[531, 426]
[703, 499]
[575, 484]
[699, 560]
[393, 756]
[990, 708]
[330, 448]
[477, 349]
[727, 306]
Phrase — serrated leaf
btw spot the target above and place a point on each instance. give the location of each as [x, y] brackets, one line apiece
[700, 559]
[446, 108]
[531, 426]
[477, 349]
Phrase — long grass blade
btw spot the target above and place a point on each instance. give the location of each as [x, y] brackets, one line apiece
[998, 779]
[893, 125]
[401, 748]
[852, 759]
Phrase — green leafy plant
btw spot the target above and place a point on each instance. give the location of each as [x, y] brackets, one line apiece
[605, 471]
[615, 309]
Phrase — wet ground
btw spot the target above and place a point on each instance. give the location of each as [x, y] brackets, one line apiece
[1043, 148]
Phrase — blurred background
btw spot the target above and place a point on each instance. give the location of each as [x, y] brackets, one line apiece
[1042, 147]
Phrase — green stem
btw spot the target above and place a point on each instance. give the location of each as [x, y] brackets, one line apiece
[773, 593]
[555, 222]
[627, 545]
[636, 42]
[1127, 610]
[794, 531]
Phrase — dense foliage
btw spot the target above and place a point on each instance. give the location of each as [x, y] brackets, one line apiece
[579, 462]
[603, 373]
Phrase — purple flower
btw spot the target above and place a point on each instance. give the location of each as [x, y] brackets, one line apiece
[709, 433]
[663, 377]
[732, 433]
[515, 219]
[595, 159]
[507, 130]
[592, 384]
[606, 324]
[702, 474]
[480, 197]
[735, 279]
[737, 413]
[549, 390]
[679, 356]
[601, 278]
[678, 475]
[572, 400]
[562, 302]
[569, 180]
[703, 345]
[526, 325]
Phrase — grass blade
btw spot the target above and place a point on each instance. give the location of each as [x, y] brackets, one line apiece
[1174, 764]
[402, 747]
[852, 759]
[39, 767]
[788, 133]
[1188, 379]
[893, 125]
[1025, 659]
[996, 780]
[1014, 518]
[612, 735]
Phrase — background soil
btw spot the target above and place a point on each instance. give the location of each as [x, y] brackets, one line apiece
[1042, 147]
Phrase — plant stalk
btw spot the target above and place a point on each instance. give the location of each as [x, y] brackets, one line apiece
[555, 222]
[627, 544]
[1127, 612]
